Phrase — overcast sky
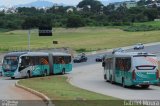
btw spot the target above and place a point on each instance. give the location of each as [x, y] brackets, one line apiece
[68, 2]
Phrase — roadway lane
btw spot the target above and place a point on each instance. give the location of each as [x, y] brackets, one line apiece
[91, 58]
[10, 92]
[90, 77]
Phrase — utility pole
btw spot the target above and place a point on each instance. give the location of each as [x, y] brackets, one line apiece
[29, 39]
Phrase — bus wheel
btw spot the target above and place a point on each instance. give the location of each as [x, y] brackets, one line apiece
[111, 79]
[123, 83]
[12, 77]
[45, 72]
[145, 86]
[28, 74]
[63, 71]
[105, 76]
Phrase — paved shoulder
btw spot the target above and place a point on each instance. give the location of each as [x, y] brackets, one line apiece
[8, 91]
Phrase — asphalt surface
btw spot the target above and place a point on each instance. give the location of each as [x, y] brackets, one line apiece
[89, 75]
[8, 91]
[155, 49]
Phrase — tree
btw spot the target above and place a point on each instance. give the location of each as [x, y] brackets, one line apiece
[109, 9]
[151, 13]
[36, 21]
[74, 22]
[92, 5]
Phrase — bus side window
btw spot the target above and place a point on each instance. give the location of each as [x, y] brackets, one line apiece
[61, 60]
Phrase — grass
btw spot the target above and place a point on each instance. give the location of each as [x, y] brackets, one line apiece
[61, 92]
[86, 38]
[153, 23]
[61, 89]
[143, 26]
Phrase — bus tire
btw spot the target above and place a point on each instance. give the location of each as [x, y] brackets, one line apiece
[123, 83]
[28, 74]
[145, 86]
[45, 73]
[105, 76]
[111, 81]
[12, 77]
[63, 71]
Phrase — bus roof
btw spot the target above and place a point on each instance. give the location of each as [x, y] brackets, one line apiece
[37, 54]
[60, 54]
[134, 53]
[15, 54]
[129, 54]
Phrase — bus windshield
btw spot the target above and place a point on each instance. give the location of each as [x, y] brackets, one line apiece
[10, 63]
[145, 62]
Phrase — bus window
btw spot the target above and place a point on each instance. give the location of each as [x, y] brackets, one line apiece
[123, 64]
[59, 59]
[44, 60]
[67, 59]
[25, 61]
[145, 62]
[127, 64]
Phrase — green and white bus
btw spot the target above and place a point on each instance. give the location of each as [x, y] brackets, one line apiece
[131, 69]
[28, 64]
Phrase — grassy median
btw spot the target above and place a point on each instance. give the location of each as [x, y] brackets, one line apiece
[57, 88]
[61, 92]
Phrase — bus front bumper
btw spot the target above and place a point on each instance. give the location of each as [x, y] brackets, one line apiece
[8, 74]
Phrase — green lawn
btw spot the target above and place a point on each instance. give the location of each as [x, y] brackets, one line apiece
[153, 23]
[89, 38]
[61, 92]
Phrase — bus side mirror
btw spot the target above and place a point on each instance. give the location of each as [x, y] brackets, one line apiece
[2, 61]
[103, 64]
[20, 61]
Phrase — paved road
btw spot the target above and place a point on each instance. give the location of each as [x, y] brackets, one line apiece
[91, 58]
[90, 77]
[8, 91]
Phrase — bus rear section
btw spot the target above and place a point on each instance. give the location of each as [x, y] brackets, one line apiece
[62, 64]
[145, 70]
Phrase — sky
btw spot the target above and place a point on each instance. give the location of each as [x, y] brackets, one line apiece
[67, 2]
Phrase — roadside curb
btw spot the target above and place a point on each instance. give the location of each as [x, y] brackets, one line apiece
[46, 99]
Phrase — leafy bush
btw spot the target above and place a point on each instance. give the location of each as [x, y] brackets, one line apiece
[74, 22]
[141, 28]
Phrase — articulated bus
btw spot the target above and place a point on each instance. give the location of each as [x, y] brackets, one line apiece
[131, 69]
[28, 64]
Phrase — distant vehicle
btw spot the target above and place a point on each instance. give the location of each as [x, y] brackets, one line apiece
[80, 58]
[118, 50]
[131, 69]
[139, 46]
[28, 64]
[99, 58]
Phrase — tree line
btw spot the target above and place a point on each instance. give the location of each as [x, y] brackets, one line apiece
[86, 13]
